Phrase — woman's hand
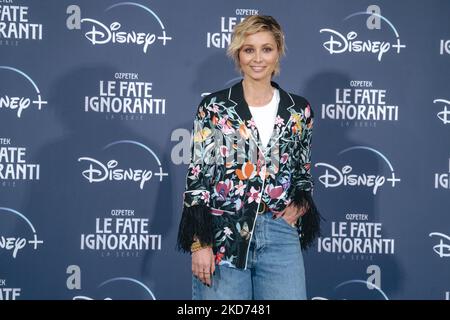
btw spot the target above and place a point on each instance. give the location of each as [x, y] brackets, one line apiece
[292, 213]
[203, 265]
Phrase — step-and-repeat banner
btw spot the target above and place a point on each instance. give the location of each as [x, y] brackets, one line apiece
[97, 101]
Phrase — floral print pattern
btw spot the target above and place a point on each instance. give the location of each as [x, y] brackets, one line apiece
[226, 179]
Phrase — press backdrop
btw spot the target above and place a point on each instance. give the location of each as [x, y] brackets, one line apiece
[97, 100]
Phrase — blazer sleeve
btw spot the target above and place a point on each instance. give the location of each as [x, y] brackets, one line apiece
[302, 176]
[196, 220]
[309, 224]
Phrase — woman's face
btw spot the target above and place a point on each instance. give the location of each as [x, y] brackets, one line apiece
[258, 56]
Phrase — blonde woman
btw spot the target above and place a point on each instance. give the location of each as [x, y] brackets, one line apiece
[248, 210]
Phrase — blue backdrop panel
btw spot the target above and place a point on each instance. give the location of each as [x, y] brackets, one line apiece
[97, 100]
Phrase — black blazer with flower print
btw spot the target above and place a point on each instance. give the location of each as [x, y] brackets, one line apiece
[231, 176]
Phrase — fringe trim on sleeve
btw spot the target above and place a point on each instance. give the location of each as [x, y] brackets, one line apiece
[310, 221]
[195, 221]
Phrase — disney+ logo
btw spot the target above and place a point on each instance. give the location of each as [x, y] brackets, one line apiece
[442, 249]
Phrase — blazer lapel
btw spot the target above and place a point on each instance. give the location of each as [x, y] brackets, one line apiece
[283, 114]
[236, 96]
[241, 110]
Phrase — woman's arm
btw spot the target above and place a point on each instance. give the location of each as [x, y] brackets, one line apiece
[196, 218]
[303, 182]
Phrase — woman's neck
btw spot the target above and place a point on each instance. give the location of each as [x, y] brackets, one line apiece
[257, 93]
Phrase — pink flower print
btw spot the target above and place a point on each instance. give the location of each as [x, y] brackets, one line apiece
[223, 189]
[225, 125]
[240, 188]
[274, 192]
[227, 231]
[214, 108]
[279, 121]
[307, 112]
[205, 196]
[195, 171]
[284, 158]
[251, 123]
[224, 152]
[307, 166]
[227, 129]
[223, 120]
[254, 195]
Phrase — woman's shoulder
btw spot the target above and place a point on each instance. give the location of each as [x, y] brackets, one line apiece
[301, 105]
[299, 100]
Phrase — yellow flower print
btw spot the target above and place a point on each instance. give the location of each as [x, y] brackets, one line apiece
[202, 135]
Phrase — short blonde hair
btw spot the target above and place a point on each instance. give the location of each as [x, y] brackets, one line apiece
[252, 25]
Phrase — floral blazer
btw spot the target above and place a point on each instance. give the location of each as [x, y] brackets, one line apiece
[232, 177]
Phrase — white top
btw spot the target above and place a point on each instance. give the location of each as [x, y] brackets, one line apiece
[264, 117]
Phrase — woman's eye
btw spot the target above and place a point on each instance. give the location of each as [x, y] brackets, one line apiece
[267, 49]
[248, 50]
